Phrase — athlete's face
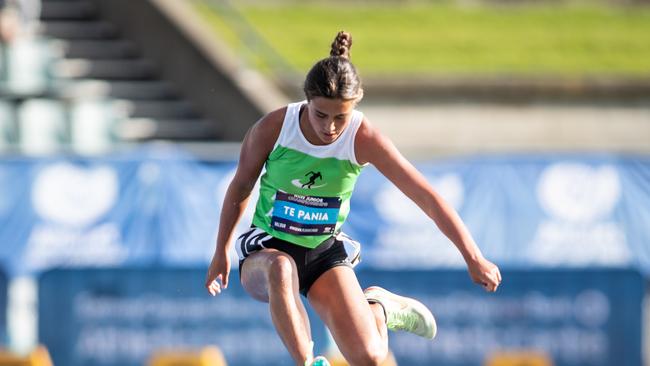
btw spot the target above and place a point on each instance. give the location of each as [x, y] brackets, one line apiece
[327, 119]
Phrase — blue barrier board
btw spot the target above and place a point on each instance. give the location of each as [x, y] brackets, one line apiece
[119, 317]
[576, 317]
[114, 317]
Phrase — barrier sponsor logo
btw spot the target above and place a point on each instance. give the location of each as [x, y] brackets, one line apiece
[579, 200]
[70, 200]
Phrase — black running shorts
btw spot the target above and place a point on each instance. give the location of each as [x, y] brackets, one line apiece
[311, 263]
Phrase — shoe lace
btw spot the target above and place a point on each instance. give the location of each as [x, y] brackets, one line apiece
[404, 320]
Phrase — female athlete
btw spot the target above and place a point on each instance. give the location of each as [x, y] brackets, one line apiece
[313, 152]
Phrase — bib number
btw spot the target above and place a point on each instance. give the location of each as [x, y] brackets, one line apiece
[305, 215]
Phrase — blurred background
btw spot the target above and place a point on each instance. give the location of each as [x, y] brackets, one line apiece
[120, 124]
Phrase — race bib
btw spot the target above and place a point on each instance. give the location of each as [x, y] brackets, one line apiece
[305, 215]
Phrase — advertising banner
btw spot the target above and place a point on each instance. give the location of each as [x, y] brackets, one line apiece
[160, 206]
[573, 317]
[151, 207]
[105, 317]
[110, 317]
[548, 212]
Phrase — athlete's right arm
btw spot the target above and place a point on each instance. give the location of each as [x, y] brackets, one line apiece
[256, 147]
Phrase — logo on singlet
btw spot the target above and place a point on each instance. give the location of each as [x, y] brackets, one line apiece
[310, 182]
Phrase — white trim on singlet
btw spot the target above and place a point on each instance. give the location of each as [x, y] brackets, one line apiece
[291, 136]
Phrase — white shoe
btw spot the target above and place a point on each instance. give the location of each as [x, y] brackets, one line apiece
[403, 313]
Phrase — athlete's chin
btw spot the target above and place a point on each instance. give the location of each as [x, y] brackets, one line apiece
[328, 138]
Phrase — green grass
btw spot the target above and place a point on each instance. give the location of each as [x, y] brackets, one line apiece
[444, 39]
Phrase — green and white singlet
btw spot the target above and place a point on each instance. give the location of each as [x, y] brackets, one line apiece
[305, 191]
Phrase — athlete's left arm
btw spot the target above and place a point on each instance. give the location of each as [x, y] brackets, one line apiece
[373, 147]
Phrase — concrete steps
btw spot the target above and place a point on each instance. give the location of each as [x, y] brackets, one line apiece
[97, 64]
[99, 49]
[79, 29]
[176, 109]
[120, 69]
[133, 90]
[139, 129]
[68, 10]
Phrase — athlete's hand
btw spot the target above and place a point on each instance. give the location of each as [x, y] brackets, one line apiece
[218, 272]
[485, 273]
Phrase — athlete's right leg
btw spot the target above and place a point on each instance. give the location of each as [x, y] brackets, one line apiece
[358, 327]
[271, 276]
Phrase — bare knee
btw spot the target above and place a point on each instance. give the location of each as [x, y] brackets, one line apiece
[268, 272]
[282, 272]
[372, 354]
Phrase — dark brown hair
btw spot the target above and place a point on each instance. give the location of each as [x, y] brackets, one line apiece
[335, 77]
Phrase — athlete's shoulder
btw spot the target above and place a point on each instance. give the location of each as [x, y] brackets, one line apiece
[273, 119]
[269, 126]
[367, 133]
[369, 143]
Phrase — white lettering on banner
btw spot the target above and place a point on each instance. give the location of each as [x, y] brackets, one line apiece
[569, 327]
[560, 242]
[127, 330]
[53, 245]
[589, 308]
[91, 307]
[109, 344]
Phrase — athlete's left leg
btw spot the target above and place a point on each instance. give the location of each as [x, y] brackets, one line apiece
[357, 327]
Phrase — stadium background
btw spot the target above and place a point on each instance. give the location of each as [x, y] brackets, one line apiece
[119, 130]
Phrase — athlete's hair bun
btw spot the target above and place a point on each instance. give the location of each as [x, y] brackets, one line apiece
[335, 77]
[341, 45]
